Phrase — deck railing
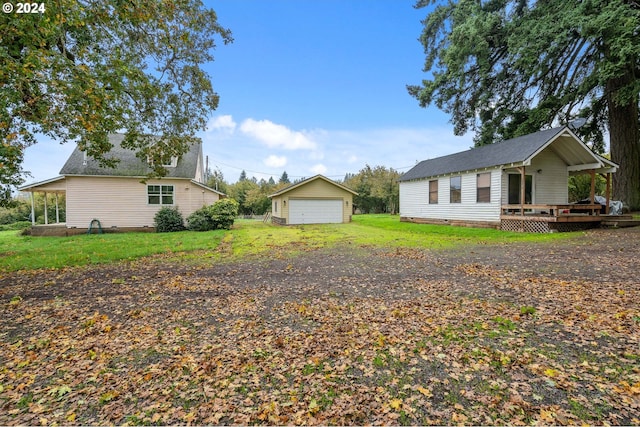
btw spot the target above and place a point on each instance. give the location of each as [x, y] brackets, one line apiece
[551, 210]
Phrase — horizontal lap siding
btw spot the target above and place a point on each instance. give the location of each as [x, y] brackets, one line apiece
[414, 200]
[196, 198]
[317, 189]
[550, 185]
[119, 202]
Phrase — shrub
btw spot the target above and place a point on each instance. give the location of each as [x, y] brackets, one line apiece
[200, 221]
[223, 213]
[168, 219]
[20, 225]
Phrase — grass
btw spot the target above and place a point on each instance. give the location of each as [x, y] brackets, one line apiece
[247, 239]
[30, 253]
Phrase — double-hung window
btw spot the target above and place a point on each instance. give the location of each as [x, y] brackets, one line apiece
[160, 194]
[483, 185]
[433, 192]
[455, 192]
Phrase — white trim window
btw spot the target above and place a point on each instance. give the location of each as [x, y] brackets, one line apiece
[173, 164]
[455, 189]
[160, 194]
[483, 187]
[433, 192]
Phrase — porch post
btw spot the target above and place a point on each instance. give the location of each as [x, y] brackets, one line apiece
[57, 210]
[46, 217]
[33, 210]
[523, 188]
[608, 192]
[592, 194]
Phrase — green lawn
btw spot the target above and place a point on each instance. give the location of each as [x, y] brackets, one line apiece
[248, 238]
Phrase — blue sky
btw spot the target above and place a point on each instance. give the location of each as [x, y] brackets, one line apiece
[311, 87]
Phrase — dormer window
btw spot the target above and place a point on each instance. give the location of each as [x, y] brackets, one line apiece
[173, 164]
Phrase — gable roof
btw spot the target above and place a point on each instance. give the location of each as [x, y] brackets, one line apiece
[308, 180]
[130, 165]
[516, 151]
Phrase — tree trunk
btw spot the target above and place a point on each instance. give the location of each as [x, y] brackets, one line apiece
[624, 134]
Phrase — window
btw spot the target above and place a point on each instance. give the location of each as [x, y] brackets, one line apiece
[433, 192]
[160, 194]
[275, 206]
[455, 189]
[483, 187]
[173, 164]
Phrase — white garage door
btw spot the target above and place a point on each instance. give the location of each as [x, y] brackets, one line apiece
[313, 211]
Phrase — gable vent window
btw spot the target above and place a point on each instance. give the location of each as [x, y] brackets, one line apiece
[160, 194]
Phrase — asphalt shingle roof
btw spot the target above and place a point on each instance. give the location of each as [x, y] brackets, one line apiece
[129, 164]
[501, 153]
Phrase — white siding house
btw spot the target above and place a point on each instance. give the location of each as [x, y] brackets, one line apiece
[120, 198]
[481, 186]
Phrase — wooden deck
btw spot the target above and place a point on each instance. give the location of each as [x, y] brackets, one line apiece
[550, 218]
[553, 213]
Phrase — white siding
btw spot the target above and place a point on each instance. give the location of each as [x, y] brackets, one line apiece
[122, 202]
[550, 185]
[414, 199]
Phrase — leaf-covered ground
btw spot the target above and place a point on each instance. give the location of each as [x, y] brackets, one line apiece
[491, 334]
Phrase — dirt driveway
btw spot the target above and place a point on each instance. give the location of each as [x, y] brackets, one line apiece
[487, 334]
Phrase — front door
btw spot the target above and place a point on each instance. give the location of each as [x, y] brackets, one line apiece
[514, 189]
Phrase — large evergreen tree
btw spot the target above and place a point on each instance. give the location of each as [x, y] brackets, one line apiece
[504, 68]
[78, 71]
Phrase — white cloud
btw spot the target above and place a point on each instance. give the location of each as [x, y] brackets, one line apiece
[275, 161]
[224, 123]
[276, 136]
[318, 169]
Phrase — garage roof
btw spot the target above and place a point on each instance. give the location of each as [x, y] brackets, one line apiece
[308, 180]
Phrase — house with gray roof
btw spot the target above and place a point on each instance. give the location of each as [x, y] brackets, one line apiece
[518, 184]
[121, 198]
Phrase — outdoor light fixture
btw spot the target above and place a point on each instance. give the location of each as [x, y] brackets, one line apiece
[539, 171]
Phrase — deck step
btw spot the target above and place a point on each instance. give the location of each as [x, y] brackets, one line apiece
[621, 222]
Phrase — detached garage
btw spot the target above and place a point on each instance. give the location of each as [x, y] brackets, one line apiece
[317, 200]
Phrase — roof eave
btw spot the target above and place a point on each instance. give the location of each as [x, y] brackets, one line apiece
[41, 183]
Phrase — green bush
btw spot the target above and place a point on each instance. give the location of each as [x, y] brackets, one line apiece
[223, 213]
[200, 221]
[20, 225]
[168, 220]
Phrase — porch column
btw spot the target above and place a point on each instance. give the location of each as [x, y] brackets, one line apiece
[33, 210]
[523, 188]
[46, 217]
[608, 193]
[57, 210]
[592, 194]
